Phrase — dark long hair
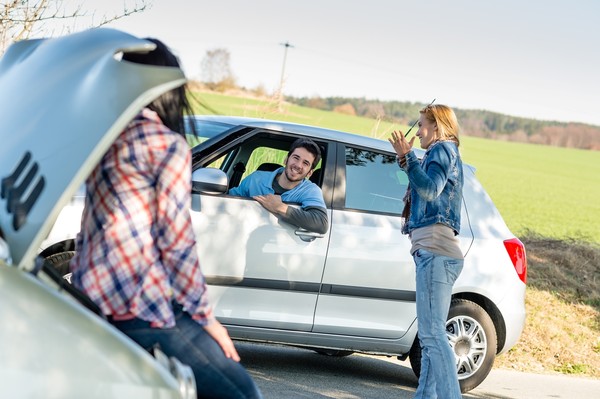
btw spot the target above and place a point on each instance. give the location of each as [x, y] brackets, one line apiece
[174, 104]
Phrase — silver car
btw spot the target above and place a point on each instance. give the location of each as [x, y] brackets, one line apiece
[352, 289]
[62, 102]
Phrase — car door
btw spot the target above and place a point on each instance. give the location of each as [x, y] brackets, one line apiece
[261, 272]
[368, 286]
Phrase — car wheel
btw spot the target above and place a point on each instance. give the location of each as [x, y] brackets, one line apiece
[60, 262]
[472, 336]
[333, 352]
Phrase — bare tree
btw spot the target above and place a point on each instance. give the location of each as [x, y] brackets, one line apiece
[216, 70]
[22, 19]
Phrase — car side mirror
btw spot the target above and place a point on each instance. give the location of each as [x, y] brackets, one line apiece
[209, 181]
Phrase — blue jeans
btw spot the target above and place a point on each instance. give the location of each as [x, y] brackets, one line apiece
[216, 375]
[436, 275]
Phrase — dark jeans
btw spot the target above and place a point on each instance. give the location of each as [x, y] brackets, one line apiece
[216, 375]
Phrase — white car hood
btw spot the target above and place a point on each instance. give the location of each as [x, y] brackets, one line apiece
[63, 101]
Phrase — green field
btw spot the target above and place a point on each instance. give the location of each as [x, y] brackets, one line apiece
[551, 191]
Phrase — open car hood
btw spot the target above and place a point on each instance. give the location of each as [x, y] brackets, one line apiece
[63, 101]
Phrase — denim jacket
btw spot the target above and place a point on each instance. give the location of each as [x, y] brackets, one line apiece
[436, 185]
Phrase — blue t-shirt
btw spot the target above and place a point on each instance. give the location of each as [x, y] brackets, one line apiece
[307, 193]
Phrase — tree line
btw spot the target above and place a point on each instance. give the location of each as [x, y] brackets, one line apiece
[218, 76]
[477, 123]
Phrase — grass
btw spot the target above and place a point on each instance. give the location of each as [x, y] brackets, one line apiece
[251, 107]
[555, 339]
[548, 197]
[549, 190]
[562, 331]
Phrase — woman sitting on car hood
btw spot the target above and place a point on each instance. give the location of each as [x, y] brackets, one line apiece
[136, 252]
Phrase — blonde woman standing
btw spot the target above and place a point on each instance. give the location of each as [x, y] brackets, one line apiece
[432, 221]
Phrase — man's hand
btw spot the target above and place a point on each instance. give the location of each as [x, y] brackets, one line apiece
[220, 334]
[272, 203]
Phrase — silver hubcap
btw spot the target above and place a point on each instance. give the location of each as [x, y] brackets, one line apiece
[469, 343]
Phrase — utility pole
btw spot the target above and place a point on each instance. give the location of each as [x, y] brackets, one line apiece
[280, 96]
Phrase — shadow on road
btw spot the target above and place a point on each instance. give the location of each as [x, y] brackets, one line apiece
[287, 372]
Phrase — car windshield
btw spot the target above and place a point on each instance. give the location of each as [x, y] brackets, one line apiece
[204, 130]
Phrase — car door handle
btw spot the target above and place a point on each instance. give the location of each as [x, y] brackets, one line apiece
[307, 236]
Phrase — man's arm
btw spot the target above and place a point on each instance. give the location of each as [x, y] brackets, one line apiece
[310, 218]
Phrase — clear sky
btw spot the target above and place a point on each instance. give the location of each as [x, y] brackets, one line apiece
[532, 58]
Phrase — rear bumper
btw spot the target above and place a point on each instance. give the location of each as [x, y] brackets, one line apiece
[512, 309]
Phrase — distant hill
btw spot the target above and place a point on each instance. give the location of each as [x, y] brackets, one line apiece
[477, 123]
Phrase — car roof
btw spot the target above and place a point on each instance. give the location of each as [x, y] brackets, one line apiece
[314, 132]
[317, 133]
[63, 101]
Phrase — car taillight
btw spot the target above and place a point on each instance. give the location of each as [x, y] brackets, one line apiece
[516, 252]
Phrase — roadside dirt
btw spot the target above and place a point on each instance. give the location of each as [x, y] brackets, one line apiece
[562, 332]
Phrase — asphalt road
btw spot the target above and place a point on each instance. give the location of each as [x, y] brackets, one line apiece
[288, 373]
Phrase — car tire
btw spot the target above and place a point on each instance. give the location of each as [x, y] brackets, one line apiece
[472, 336]
[60, 261]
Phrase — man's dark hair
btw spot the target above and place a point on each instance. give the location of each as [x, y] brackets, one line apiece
[310, 146]
[172, 105]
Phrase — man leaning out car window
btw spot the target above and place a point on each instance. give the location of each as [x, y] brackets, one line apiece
[290, 184]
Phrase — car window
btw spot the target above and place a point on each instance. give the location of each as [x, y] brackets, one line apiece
[374, 182]
[204, 130]
[265, 158]
[217, 162]
[262, 150]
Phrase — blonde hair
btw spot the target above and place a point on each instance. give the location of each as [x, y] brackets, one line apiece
[445, 119]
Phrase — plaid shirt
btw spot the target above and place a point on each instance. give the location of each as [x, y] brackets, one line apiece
[136, 251]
